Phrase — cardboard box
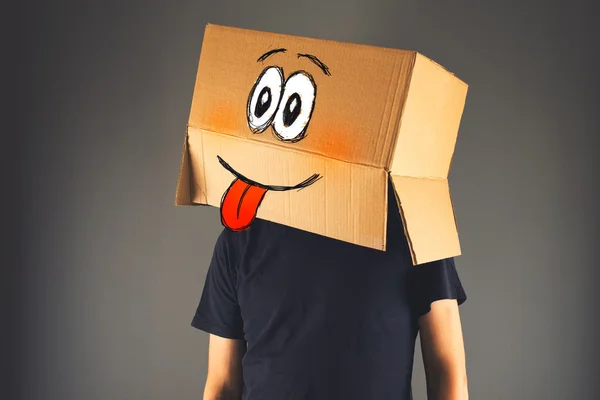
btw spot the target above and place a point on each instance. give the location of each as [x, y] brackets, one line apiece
[307, 133]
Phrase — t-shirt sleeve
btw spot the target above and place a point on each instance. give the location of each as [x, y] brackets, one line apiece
[218, 311]
[434, 281]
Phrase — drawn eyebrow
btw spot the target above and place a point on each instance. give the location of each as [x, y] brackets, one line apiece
[269, 53]
[317, 62]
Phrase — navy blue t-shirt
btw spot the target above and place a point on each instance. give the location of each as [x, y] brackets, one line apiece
[322, 319]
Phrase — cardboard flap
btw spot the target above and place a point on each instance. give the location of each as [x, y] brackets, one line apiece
[183, 195]
[430, 121]
[188, 192]
[428, 217]
[348, 202]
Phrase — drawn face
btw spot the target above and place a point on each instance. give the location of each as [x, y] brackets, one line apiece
[286, 106]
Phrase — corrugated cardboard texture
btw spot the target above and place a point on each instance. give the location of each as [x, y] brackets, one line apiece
[421, 162]
[428, 217]
[340, 205]
[357, 108]
[183, 195]
[378, 112]
[430, 119]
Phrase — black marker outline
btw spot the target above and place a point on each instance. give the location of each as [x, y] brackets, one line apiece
[302, 134]
[268, 122]
[239, 207]
[317, 62]
[305, 183]
[270, 53]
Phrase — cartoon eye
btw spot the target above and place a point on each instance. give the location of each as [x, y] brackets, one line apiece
[296, 107]
[264, 98]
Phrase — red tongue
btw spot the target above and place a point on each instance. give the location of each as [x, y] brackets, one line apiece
[240, 204]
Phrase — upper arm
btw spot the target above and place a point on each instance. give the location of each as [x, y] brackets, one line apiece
[218, 311]
[219, 314]
[436, 293]
[441, 334]
[224, 379]
[442, 344]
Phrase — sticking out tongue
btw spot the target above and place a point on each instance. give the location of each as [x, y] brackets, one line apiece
[240, 205]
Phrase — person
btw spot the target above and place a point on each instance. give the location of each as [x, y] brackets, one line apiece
[297, 316]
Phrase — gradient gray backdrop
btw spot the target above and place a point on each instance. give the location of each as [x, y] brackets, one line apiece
[111, 271]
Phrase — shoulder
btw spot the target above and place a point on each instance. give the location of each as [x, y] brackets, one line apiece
[435, 281]
[227, 245]
[226, 240]
[233, 245]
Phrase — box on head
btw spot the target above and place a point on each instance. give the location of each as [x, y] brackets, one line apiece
[308, 133]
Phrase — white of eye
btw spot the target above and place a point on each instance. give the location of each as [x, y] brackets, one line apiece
[264, 99]
[295, 108]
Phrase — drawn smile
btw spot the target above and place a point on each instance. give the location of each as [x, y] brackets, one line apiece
[240, 201]
[305, 183]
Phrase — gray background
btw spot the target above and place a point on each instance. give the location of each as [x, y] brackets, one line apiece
[108, 272]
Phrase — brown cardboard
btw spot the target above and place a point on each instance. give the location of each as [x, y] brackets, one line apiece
[377, 113]
[422, 157]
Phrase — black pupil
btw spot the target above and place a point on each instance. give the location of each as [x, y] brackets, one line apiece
[292, 109]
[263, 103]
